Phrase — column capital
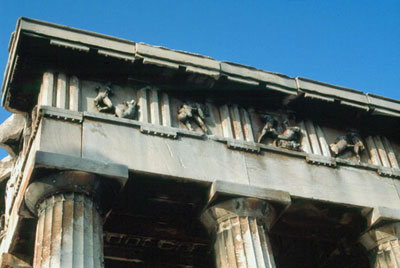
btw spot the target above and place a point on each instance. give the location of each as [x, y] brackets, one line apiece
[380, 235]
[238, 207]
[85, 183]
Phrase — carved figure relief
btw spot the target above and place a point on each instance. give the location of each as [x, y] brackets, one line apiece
[269, 129]
[351, 140]
[104, 104]
[289, 138]
[126, 110]
[194, 112]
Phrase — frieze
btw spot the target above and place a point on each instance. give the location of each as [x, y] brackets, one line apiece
[173, 113]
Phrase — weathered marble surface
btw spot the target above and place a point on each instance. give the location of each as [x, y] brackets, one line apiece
[10, 133]
[239, 228]
[157, 143]
[383, 245]
[6, 166]
[209, 160]
[232, 121]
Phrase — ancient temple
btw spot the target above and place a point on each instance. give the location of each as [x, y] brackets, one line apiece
[123, 154]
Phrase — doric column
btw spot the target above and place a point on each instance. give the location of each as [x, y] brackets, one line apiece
[383, 246]
[69, 231]
[239, 229]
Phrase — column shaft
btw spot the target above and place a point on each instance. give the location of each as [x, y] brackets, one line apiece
[69, 233]
[242, 242]
[239, 229]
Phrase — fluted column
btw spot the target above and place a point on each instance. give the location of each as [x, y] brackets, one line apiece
[239, 229]
[383, 246]
[69, 231]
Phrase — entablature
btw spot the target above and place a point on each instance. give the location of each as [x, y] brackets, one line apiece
[244, 125]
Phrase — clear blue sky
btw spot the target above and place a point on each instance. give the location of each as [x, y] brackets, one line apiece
[351, 43]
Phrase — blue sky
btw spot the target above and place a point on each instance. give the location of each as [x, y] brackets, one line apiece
[354, 44]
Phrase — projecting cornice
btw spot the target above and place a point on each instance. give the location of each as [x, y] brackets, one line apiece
[53, 38]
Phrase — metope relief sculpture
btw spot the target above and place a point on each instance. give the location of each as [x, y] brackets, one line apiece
[270, 128]
[104, 104]
[289, 137]
[350, 142]
[102, 101]
[126, 109]
[192, 112]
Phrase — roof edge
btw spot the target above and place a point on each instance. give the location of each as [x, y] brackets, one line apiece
[191, 62]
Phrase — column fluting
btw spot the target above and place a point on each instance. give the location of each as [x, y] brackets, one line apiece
[239, 228]
[70, 206]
